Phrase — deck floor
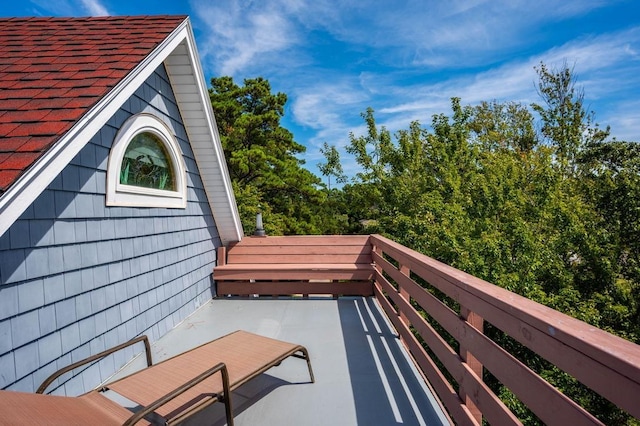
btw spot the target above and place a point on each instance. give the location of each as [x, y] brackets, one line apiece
[363, 374]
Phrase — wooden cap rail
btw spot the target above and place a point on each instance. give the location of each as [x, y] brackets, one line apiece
[605, 363]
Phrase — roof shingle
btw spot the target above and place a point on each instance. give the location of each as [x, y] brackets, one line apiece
[53, 70]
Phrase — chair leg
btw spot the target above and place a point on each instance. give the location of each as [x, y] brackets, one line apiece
[227, 409]
[306, 356]
[227, 396]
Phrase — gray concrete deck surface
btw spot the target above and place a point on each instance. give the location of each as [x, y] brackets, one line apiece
[363, 373]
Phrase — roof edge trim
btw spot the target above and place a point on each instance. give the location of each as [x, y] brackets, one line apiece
[217, 143]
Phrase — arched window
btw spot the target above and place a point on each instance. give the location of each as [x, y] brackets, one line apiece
[146, 168]
[146, 163]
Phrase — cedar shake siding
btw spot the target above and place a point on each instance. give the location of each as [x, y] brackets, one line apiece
[77, 277]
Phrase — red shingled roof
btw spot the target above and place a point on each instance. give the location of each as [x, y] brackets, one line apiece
[53, 70]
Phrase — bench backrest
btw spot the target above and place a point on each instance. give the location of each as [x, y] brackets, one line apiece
[321, 249]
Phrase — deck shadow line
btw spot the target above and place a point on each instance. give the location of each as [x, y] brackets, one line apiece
[385, 387]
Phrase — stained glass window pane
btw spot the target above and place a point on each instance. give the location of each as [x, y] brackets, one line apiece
[146, 163]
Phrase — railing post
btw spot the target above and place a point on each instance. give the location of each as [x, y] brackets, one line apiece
[404, 293]
[475, 321]
[377, 250]
[222, 256]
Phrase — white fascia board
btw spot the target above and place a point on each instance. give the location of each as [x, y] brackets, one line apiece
[229, 208]
[30, 185]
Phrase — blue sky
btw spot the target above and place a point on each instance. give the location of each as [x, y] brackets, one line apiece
[403, 58]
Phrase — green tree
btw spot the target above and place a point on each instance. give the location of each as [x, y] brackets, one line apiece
[477, 191]
[553, 215]
[332, 165]
[262, 159]
[565, 121]
[610, 180]
[496, 125]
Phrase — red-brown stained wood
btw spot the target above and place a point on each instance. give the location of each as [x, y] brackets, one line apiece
[534, 392]
[338, 247]
[404, 270]
[277, 257]
[607, 364]
[349, 288]
[344, 261]
[305, 250]
[444, 390]
[496, 412]
[306, 240]
[470, 359]
[222, 256]
[624, 355]
[294, 272]
[580, 365]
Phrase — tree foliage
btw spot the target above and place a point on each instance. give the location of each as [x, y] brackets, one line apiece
[331, 166]
[565, 121]
[262, 158]
[553, 215]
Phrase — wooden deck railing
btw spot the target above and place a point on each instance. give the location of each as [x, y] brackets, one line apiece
[605, 363]
[454, 365]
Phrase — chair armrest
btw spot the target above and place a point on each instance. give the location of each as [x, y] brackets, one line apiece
[221, 367]
[95, 357]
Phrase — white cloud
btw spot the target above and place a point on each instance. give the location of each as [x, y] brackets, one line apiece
[94, 8]
[330, 112]
[606, 66]
[623, 118]
[603, 65]
[318, 106]
[242, 34]
[439, 34]
[72, 7]
[252, 35]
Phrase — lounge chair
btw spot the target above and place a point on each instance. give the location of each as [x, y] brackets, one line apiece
[174, 389]
[20, 408]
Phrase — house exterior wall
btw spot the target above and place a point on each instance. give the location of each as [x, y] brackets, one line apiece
[77, 277]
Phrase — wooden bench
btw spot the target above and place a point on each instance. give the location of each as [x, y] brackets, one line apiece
[337, 265]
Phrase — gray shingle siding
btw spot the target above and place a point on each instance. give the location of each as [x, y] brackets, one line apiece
[77, 277]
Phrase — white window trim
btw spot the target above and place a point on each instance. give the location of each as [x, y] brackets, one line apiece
[134, 196]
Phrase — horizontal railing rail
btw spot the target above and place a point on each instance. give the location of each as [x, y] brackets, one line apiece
[607, 364]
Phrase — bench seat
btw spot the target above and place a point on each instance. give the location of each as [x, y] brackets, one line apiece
[335, 264]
